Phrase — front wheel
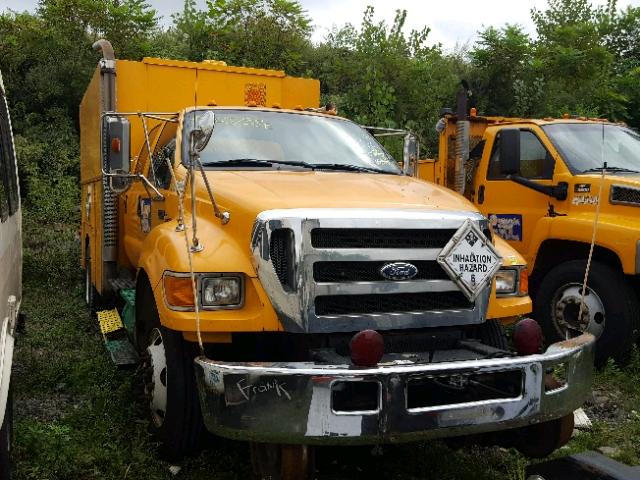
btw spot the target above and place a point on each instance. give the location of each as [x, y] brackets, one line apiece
[609, 312]
[170, 385]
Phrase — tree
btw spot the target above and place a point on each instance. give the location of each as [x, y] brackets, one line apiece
[506, 72]
[260, 33]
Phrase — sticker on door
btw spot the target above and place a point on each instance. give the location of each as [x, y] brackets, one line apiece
[507, 225]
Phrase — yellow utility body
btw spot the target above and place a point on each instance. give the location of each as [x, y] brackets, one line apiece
[285, 283]
[547, 206]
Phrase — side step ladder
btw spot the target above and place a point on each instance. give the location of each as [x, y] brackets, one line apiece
[116, 338]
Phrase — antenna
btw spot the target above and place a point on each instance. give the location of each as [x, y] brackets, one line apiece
[595, 229]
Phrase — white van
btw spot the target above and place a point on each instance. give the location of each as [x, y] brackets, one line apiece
[10, 274]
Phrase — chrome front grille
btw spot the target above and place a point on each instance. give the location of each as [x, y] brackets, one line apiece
[322, 269]
[390, 303]
[332, 272]
[380, 238]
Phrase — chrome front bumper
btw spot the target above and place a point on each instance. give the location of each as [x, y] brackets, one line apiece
[292, 402]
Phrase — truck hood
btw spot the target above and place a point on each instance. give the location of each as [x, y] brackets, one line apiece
[586, 186]
[251, 192]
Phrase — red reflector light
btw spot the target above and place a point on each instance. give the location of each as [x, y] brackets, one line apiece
[367, 348]
[527, 337]
[115, 145]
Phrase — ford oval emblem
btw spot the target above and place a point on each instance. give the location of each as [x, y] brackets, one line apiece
[399, 271]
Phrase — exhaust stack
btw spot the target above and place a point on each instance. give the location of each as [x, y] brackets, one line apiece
[462, 140]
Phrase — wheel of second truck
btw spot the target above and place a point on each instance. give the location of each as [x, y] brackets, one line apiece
[610, 310]
[6, 436]
[282, 462]
[170, 386]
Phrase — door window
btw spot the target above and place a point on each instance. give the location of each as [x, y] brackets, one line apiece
[535, 160]
[9, 198]
[162, 157]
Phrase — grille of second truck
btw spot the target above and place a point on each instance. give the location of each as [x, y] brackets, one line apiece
[625, 194]
[379, 238]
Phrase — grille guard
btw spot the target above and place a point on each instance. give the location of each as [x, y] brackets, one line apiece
[295, 305]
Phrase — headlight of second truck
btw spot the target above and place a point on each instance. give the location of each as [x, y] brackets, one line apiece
[215, 290]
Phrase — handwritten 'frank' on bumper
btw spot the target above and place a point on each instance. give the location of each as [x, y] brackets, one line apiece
[252, 391]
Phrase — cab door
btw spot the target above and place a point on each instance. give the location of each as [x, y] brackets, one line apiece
[515, 211]
[143, 210]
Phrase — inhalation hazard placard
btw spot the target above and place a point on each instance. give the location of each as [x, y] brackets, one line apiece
[470, 259]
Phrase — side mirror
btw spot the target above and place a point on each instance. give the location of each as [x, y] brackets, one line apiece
[203, 124]
[411, 152]
[117, 145]
[509, 151]
[116, 151]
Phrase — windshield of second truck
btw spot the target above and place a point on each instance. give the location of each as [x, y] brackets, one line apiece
[264, 139]
[584, 146]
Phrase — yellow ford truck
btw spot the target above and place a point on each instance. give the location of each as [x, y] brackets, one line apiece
[283, 282]
[540, 190]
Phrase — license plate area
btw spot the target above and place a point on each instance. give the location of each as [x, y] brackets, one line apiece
[436, 391]
[356, 397]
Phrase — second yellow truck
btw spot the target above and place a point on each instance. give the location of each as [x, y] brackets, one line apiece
[539, 182]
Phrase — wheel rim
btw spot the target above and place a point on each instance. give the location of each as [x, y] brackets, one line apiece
[566, 308]
[156, 383]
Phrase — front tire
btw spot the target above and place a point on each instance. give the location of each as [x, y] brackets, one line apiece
[170, 385]
[610, 313]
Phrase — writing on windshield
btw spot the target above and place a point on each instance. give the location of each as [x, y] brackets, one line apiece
[288, 138]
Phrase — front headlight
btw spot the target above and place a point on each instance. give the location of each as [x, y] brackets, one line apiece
[215, 291]
[512, 281]
[506, 281]
[221, 291]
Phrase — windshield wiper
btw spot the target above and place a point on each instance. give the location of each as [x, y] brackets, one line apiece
[610, 169]
[345, 166]
[254, 162]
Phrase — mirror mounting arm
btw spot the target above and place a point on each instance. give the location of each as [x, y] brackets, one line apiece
[137, 176]
[559, 192]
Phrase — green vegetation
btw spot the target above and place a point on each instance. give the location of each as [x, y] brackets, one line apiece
[584, 60]
[80, 417]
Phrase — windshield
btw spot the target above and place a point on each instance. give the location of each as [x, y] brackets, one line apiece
[255, 138]
[584, 145]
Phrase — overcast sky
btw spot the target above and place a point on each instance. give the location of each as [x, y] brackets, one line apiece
[451, 24]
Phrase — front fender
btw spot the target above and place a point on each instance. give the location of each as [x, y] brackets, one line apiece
[613, 233]
[164, 249]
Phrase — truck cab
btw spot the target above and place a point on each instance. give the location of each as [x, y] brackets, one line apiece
[285, 283]
[545, 204]
[10, 275]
